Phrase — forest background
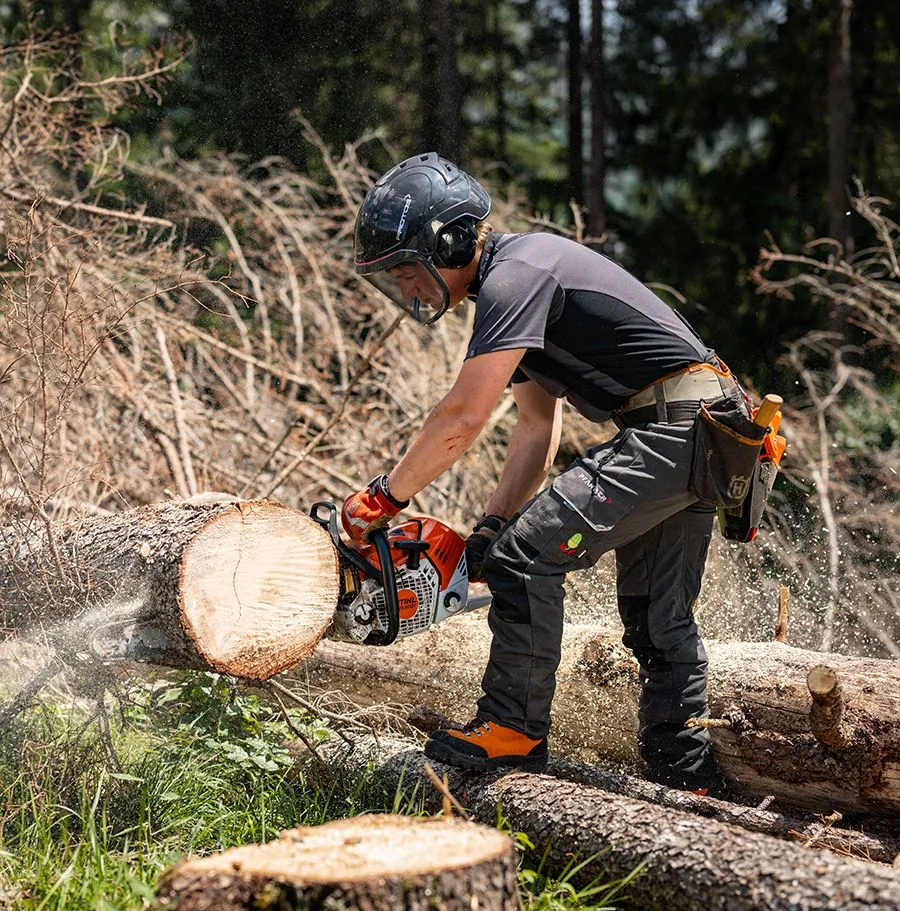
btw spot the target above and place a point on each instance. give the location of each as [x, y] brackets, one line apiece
[706, 145]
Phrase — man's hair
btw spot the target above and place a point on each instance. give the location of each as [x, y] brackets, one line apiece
[482, 229]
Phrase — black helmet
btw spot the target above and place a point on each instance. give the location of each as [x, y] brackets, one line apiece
[421, 214]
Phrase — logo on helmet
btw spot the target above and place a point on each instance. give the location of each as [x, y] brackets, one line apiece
[402, 223]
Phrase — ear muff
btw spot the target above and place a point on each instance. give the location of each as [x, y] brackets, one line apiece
[456, 245]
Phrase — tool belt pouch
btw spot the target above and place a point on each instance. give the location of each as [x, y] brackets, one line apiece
[726, 452]
[742, 523]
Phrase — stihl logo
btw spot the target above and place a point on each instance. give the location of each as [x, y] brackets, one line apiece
[408, 602]
[402, 223]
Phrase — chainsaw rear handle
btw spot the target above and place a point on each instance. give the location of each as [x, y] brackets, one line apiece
[384, 575]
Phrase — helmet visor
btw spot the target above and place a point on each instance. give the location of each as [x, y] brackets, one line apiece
[416, 287]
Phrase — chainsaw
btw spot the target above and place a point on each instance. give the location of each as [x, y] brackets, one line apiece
[405, 580]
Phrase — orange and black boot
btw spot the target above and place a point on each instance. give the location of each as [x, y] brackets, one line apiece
[484, 745]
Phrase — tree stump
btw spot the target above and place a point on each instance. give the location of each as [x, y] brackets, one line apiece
[245, 588]
[378, 862]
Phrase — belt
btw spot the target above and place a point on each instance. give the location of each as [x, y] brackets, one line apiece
[676, 399]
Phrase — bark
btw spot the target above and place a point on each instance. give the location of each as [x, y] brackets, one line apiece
[689, 863]
[246, 588]
[377, 862]
[771, 750]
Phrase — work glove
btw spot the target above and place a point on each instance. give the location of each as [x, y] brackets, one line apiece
[477, 544]
[370, 509]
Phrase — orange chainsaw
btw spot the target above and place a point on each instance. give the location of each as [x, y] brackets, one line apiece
[407, 579]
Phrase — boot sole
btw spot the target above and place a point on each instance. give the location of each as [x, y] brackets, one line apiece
[441, 752]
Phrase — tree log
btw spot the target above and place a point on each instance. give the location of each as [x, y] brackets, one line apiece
[771, 751]
[377, 862]
[689, 863]
[246, 588]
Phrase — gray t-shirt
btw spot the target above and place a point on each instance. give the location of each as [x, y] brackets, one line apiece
[595, 335]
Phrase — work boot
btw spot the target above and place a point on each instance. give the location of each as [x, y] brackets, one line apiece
[483, 745]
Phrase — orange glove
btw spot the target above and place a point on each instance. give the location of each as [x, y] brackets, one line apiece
[370, 509]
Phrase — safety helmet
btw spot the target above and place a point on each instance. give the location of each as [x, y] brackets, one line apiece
[420, 216]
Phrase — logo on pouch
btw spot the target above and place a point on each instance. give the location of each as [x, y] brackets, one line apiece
[402, 223]
[569, 547]
[738, 488]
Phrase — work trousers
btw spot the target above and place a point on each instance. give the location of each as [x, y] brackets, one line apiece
[629, 495]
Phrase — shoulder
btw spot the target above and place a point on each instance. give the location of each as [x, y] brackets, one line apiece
[520, 265]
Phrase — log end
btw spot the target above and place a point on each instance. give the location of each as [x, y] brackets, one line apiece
[375, 861]
[258, 588]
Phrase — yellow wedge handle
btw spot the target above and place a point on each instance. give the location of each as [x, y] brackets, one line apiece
[768, 409]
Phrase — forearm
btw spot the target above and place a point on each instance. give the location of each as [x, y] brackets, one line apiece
[447, 433]
[529, 458]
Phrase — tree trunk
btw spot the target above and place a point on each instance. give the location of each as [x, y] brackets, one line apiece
[576, 132]
[246, 588]
[689, 863]
[596, 196]
[840, 119]
[770, 750]
[377, 862]
[440, 83]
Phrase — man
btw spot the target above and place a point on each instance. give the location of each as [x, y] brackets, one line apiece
[555, 320]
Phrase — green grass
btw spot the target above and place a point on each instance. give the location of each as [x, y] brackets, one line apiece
[197, 767]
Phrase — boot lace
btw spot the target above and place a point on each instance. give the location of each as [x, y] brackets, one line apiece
[476, 726]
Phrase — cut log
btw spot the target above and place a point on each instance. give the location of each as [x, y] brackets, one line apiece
[773, 752]
[377, 862]
[688, 863]
[246, 588]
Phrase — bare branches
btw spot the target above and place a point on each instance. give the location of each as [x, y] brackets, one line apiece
[841, 543]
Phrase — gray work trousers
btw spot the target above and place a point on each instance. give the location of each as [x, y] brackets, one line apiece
[629, 495]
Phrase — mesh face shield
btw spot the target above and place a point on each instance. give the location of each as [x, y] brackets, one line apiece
[413, 284]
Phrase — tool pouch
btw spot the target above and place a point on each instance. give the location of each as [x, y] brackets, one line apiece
[726, 453]
[742, 523]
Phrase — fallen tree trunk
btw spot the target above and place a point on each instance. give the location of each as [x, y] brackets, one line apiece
[769, 749]
[246, 587]
[688, 863]
[377, 862]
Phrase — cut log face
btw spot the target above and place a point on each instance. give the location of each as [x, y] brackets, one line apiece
[258, 589]
[246, 588]
[377, 862]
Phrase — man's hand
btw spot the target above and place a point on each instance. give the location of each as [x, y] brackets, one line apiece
[478, 542]
[370, 509]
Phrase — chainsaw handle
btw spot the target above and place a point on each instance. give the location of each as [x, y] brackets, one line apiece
[329, 523]
[389, 580]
